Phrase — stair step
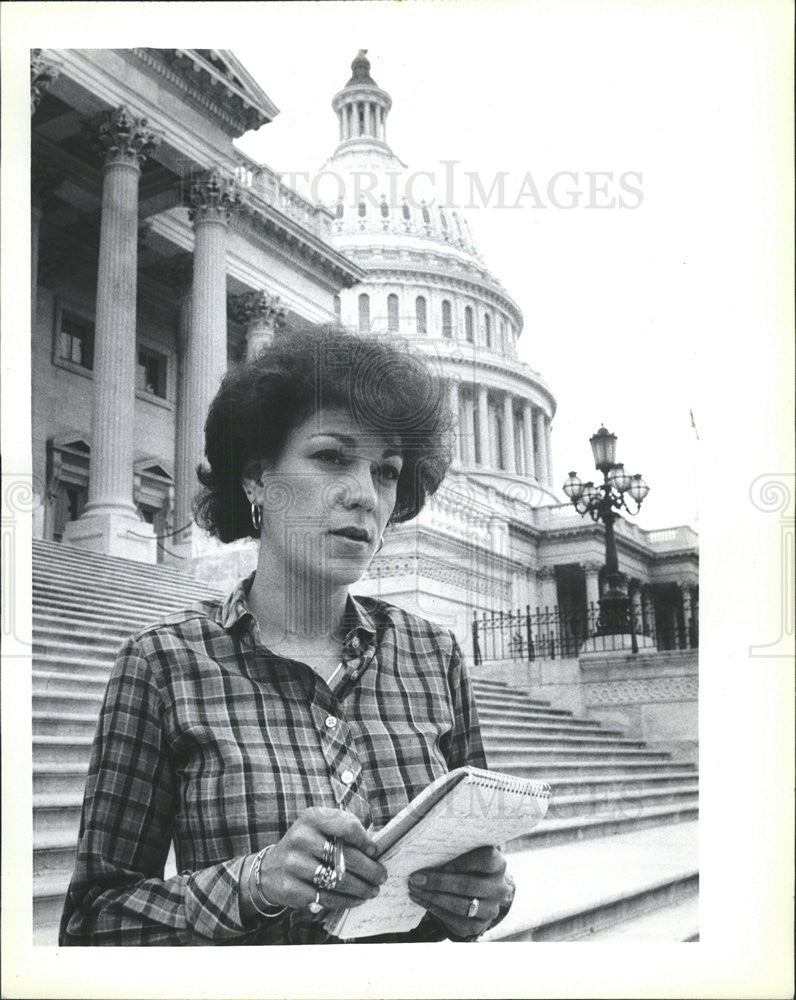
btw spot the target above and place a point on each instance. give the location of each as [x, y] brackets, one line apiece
[509, 718]
[501, 758]
[577, 768]
[614, 879]
[57, 777]
[55, 749]
[61, 684]
[512, 729]
[498, 740]
[624, 805]
[678, 921]
[575, 828]
[65, 726]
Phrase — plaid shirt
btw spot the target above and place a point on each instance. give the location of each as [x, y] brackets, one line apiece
[207, 739]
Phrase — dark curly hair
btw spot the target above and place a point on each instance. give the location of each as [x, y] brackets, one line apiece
[387, 388]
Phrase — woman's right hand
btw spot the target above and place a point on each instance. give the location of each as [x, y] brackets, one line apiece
[286, 871]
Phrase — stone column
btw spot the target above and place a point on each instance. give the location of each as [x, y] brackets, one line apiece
[263, 317]
[185, 482]
[211, 198]
[43, 73]
[468, 423]
[508, 433]
[548, 592]
[453, 388]
[542, 469]
[648, 605]
[110, 522]
[591, 571]
[635, 597]
[549, 453]
[685, 597]
[527, 423]
[483, 426]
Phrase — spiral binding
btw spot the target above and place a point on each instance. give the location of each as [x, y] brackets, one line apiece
[508, 783]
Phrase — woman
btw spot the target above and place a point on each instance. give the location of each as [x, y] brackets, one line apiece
[271, 733]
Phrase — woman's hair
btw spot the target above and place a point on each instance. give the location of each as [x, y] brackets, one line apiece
[385, 386]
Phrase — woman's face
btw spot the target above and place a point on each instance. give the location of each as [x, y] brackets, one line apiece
[327, 499]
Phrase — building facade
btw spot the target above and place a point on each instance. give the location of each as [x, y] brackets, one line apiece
[161, 253]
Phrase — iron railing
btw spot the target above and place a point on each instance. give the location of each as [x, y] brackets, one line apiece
[560, 633]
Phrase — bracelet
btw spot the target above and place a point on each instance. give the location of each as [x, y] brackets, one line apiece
[268, 909]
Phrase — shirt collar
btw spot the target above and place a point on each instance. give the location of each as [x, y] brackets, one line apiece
[235, 607]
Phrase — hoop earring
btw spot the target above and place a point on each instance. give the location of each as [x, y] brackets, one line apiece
[257, 517]
[381, 546]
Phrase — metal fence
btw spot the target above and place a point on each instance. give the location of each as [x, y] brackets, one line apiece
[560, 633]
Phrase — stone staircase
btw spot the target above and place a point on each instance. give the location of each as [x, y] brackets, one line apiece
[636, 807]
[637, 877]
[84, 606]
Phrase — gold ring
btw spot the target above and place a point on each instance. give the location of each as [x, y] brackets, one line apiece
[315, 906]
[472, 909]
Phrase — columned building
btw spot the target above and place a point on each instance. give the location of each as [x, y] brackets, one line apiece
[160, 254]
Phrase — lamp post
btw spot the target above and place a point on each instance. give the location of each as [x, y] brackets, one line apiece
[602, 503]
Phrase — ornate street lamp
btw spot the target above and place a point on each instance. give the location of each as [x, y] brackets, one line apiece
[602, 503]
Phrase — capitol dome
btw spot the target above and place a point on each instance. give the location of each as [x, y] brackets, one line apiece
[428, 282]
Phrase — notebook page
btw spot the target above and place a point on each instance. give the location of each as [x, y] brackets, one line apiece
[471, 815]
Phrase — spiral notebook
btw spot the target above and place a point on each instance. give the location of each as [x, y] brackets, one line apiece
[463, 809]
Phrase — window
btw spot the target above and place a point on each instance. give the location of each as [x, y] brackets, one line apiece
[488, 330]
[447, 325]
[405, 210]
[339, 208]
[76, 340]
[420, 314]
[468, 324]
[364, 313]
[362, 208]
[426, 216]
[392, 313]
[338, 306]
[150, 374]
[385, 208]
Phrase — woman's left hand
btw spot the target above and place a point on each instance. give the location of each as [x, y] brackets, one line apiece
[448, 891]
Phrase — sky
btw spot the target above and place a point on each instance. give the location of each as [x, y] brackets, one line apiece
[618, 302]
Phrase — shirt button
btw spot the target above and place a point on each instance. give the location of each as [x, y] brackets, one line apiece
[330, 722]
[347, 777]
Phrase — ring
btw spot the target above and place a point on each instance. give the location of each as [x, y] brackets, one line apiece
[315, 906]
[472, 909]
[339, 860]
[325, 877]
[328, 851]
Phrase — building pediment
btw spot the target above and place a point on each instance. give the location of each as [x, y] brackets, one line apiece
[218, 82]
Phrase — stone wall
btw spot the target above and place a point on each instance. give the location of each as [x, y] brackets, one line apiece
[650, 696]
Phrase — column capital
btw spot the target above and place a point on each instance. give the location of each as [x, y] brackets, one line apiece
[211, 196]
[254, 308]
[120, 137]
[546, 572]
[43, 73]
[592, 566]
